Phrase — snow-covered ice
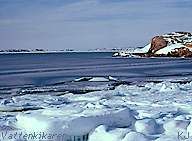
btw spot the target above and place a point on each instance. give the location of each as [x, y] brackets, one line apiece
[99, 79]
[140, 112]
[96, 79]
[146, 126]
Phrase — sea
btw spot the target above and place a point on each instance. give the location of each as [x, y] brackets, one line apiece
[54, 73]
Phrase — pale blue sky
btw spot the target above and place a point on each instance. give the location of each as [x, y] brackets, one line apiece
[89, 24]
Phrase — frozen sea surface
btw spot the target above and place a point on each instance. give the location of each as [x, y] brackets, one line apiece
[92, 96]
[54, 68]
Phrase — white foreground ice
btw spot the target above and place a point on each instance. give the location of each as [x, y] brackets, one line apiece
[151, 112]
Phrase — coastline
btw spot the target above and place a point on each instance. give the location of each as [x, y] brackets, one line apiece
[47, 52]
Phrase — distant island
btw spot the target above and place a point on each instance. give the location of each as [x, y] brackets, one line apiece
[12, 51]
[32, 51]
[22, 50]
[175, 44]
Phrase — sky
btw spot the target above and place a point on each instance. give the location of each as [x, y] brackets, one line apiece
[89, 24]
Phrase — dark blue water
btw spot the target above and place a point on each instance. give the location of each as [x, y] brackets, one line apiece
[20, 70]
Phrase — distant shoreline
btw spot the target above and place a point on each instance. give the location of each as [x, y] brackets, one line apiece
[47, 52]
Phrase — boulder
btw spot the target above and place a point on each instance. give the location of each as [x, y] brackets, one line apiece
[157, 43]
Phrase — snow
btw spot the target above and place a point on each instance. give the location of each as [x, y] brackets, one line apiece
[140, 112]
[135, 136]
[124, 53]
[143, 50]
[167, 138]
[96, 79]
[101, 133]
[128, 53]
[99, 79]
[146, 126]
[189, 129]
[172, 127]
[112, 78]
[67, 121]
[169, 48]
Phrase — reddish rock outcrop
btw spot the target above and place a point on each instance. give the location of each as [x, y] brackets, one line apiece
[174, 44]
[180, 52]
[188, 45]
[157, 43]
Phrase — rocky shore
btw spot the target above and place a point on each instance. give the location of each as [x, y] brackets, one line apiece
[175, 44]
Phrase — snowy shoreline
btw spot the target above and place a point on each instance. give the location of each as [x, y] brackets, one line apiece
[151, 112]
[174, 44]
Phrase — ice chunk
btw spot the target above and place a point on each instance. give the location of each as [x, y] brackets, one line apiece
[95, 79]
[189, 129]
[102, 134]
[74, 123]
[167, 138]
[82, 79]
[135, 136]
[112, 78]
[146, 126]
[168, 87]
[99, 79]
[173, 127]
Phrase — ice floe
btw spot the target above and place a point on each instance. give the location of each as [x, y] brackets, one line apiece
[96, 79]
[147, 126]
[99, 79]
